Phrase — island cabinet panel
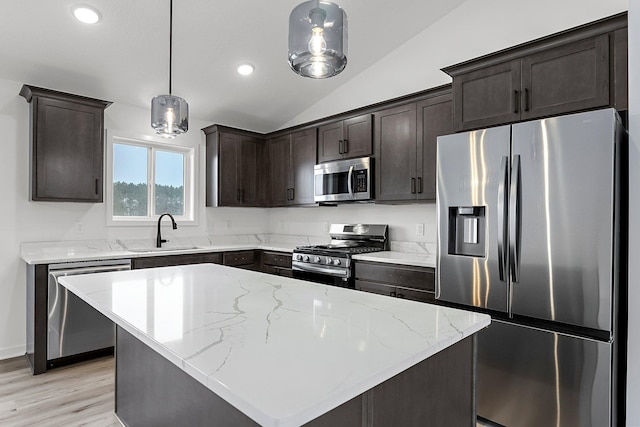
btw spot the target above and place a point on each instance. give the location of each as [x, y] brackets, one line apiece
[345, 139]
[578, 69]
[405, 140]
[291, 159]
[66, 146]
[278, 263]
[171, 260]
[438, 392]
[241, 259]
[235, 173]
[409, 282]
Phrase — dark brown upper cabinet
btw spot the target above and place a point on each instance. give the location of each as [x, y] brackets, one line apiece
[235, 160]
[578, 69]
[345, 139]
[405, 139]
[291, 159]
[67, 146]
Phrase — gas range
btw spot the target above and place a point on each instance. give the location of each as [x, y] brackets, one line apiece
[332, 264]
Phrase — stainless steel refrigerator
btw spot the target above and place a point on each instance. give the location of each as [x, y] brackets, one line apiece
[528, 231]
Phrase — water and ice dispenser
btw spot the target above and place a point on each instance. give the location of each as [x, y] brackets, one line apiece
[467, 226]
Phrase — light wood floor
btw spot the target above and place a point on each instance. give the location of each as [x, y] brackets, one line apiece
[78, 395]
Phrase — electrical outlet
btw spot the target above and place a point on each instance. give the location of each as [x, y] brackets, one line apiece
[420, 229]
[79, 227]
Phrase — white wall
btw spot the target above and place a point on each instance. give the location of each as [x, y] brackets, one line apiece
[633, 354]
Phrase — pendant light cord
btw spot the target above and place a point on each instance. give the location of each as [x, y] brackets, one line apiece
[170, 41]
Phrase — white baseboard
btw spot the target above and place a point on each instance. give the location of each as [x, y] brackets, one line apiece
[10, 352]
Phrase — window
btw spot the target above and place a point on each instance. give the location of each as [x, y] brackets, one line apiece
[147, 178]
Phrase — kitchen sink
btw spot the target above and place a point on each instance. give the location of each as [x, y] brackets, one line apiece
[167, 249]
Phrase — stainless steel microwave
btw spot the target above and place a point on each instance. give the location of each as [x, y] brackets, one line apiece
[343, 180]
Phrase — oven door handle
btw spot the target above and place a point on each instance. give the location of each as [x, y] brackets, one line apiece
[320, 269]
[350, 181]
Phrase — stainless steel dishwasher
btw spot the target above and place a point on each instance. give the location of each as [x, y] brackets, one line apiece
[74, 327]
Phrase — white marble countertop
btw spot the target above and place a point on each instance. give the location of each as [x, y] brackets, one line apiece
[283, 351]
[402, 258]
[70, 251]
[50, 253]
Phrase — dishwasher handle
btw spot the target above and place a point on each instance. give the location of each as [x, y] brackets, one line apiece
[88, 270]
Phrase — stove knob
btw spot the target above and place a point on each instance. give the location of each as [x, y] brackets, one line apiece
[316, 259]
[306, 258]
[337, 262]
[329, 261]
[299, 257]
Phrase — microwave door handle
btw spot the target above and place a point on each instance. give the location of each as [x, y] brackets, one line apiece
[350, 181]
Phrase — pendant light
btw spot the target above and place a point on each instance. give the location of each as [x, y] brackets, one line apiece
[169, 113]
[318, 39]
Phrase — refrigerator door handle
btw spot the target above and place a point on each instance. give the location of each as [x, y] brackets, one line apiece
[514, 221]
[501, 215]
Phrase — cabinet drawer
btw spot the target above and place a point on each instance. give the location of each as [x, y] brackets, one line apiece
[276, 258]
[375, 288]
[277, 271]
[415, 295]
[421, 278]
[170, 260]
[238, 258]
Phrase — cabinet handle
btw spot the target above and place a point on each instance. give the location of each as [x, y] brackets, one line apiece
[420, 184]
[340, 151]
[516, 101]
[238, 195]
[526, 99]
[345, 146]
[413, 186]
[97, 186]
[293, 194]
[400, 295]
[288, 194]
[392, 294]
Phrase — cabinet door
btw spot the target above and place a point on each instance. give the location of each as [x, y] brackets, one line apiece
[279, 163]
[435, 118]
[395, 150]
[303, 155]
[67, 150]
[228, 164]
[357, 137]
[330, 142]
[567, 78]
[250, 172]
[487, 97]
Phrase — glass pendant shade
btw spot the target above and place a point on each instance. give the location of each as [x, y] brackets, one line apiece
[318, 39]
[169, 115]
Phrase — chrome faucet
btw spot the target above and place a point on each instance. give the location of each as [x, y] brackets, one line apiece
[159, 239]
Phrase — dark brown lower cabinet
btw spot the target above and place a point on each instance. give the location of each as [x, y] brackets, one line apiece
[278, 263]
[410, 282]
[248, 260]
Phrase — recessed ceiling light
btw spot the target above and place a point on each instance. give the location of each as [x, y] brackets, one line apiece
[245, 69]
[85, 13]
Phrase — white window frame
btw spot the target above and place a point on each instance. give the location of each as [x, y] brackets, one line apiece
[152, 144]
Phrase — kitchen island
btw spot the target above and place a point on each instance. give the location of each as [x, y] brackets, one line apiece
[208, 344]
